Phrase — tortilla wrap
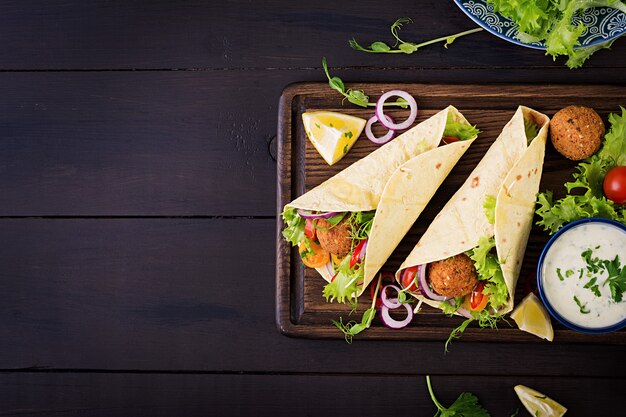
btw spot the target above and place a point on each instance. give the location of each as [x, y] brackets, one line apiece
[397, 180]
[511, 171]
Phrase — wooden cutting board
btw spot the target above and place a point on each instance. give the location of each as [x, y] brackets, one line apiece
[301, 310]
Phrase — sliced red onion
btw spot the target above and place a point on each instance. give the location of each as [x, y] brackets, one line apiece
[383, 139]
[393, 323]
[329, 267]
[425, 288]
[389, 302]
[306, 214]
[381, 114]
[464, 312]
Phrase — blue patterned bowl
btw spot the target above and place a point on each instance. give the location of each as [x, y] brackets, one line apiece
[603, 23]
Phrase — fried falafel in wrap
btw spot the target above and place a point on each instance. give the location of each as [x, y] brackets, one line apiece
[468, 260]
[349, 225]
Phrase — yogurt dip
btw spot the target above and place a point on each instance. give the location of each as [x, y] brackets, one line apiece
[583, 275]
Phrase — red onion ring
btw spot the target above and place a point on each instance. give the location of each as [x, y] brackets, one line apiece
[383, 139]
[389, 302]
[425, 288]
[462, 311]
[306, 214]
[329, 267]
[381, 114]
[393, 323]
[465, 313]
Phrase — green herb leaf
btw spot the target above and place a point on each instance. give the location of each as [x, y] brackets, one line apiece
[466, 405]
[380, 47]
[582, 307]
[456, 333]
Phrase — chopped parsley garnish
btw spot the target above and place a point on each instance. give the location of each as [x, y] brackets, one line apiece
[581, 306]
[558, 273]
[593, 287]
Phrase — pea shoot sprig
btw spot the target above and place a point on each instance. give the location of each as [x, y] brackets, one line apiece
[403, 47]
[357, 97]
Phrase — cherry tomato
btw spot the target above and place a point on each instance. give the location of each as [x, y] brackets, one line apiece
[449, 139]
[615, 185]
[317, 259]
[478, 300]
[408, 278]
[309, 229]
[355, 259]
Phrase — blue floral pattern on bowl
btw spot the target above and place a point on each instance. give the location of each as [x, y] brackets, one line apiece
[603, 23]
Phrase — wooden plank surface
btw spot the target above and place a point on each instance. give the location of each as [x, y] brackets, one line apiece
[100, 34]
[302, 311]
[187, 295]
[120, 394]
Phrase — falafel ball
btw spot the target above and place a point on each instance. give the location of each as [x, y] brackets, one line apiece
[576, 132]
[453, 277]
[335, 239]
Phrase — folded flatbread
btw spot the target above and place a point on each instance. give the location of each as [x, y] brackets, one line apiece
[510, 171]
[397, 180]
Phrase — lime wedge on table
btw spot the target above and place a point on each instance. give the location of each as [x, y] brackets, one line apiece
[332, 134]
[531, 316]
[538, 404]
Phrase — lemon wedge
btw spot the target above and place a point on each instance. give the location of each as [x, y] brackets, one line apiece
[538, 404]
[332, 134]
[531, 316]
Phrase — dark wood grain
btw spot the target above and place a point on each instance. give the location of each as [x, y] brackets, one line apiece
[198, 295]
[99, 34]
[92, 394]
[302, 311]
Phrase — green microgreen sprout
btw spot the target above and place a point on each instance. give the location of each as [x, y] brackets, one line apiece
[357, 97]
[403, 47]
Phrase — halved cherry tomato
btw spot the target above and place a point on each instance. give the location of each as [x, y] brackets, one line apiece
[317, 259]
[355, 254]
[408, 278]
[478, 300]
[615, 185]
[309, 229]
[449, 139]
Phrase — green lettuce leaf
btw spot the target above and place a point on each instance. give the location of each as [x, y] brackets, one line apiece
[344, 286]
[614, 148]
[459, 130]
[488, 269]
[489, 205]
[294, 232]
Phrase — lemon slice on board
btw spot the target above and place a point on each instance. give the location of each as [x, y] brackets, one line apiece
[538, 404]
[531, 316]
[332, 134]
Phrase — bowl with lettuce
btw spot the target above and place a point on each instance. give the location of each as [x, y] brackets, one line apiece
[572, 28]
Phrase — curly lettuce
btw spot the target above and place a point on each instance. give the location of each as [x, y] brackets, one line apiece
[588, 199]
[551, 21]
[462, 131]
[488, 268]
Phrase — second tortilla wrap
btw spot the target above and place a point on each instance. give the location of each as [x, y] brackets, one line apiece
[510, 170]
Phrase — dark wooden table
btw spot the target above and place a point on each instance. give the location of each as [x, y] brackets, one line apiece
[138, 204]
